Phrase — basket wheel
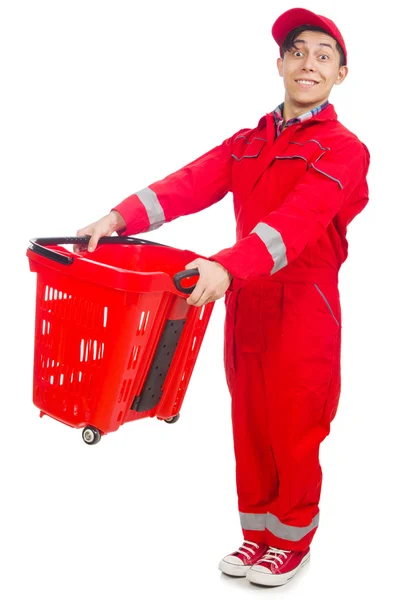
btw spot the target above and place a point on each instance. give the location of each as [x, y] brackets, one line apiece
[91, 435]
[172, 419]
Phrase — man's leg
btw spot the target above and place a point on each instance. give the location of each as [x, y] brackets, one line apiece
[303, 377]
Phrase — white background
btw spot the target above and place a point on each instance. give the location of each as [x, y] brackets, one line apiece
[98, 100]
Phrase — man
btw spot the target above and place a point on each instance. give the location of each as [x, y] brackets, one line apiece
[298, 179]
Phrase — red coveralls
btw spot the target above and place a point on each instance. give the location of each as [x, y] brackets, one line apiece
[293, 198]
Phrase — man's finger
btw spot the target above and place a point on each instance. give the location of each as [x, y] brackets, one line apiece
[197, 292]
[205, 299]
[92, 244]
[79, 248]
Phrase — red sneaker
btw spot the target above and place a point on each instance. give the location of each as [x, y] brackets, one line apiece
[238, 563]
[276, 567]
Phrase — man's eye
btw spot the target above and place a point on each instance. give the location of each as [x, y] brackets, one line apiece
[324, 56]
[298, 52]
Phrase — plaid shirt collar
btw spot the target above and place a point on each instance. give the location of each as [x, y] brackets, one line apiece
[279, 120]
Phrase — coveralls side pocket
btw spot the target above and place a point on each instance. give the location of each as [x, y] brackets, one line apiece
[332, 304]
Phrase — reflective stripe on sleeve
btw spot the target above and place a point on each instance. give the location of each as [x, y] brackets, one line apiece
[274, 243]
[153, 207]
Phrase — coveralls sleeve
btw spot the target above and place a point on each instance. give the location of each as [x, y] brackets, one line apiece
[302, 218]
[191, 189]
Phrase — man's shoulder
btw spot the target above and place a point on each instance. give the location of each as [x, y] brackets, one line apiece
[332, 134]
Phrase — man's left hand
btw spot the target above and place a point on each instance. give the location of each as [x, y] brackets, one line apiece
[213, 282]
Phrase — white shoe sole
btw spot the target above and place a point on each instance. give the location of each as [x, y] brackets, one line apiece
[233, 570]
[261, 578]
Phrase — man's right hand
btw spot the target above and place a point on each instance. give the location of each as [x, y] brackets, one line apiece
[105, 226]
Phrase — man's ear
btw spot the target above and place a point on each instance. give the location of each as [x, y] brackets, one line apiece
[280, 66]
[343, 71]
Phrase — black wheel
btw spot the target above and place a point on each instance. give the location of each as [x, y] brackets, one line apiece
[172, 419]
[91, 435]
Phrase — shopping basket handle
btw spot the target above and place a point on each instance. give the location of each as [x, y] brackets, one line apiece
[181, 275]
[38, 245]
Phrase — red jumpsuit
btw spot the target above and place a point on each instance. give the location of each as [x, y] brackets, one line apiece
[294, 196]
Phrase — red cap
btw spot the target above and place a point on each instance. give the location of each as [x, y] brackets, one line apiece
[300, 16]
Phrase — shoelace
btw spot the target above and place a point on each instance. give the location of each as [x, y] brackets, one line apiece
[247, 548]
[273, 555]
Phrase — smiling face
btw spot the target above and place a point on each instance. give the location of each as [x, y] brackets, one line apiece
[310, 70]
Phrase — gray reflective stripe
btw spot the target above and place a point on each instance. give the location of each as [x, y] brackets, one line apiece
[293, 156]
[247, 156]
[327, 303]
[253, 521]
[330, 176]
[260, 522]
[274, 243]
[289, 532]
[253, 139]
[312, 140]
[155, 226]
[153, 207]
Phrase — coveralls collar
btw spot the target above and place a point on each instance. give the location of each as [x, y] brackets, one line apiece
[327, 114]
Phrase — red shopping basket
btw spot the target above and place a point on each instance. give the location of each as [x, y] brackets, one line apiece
[115, 339]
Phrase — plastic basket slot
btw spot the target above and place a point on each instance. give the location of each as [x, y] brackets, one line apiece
[87, 350]
[46, 327]
[127, 390]
[123, 385]
[135, 352]
[153, 387]
[143, 323]
[91, 350]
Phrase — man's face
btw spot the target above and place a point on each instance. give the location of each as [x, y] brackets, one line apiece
[311, 69]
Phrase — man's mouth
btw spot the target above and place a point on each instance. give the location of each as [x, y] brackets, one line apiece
[306, 82]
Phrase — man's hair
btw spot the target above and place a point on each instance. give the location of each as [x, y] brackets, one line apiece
[289, 41]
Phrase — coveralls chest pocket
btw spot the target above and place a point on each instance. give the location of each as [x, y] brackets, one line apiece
[245, 155]
[293, 161]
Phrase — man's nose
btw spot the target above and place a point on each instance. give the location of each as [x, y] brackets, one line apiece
[309, 64]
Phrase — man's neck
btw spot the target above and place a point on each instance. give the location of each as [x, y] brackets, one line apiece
[292, 110]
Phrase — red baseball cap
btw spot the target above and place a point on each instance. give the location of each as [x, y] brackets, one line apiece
[295, 17]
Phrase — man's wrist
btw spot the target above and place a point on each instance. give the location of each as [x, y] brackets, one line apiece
[117, 220]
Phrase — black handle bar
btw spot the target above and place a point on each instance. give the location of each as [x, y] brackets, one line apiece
[38, 245]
